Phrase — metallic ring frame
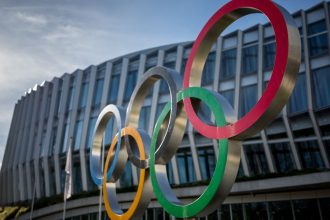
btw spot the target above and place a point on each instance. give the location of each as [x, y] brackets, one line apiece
[95, 164]
[144, 190]
[226, 165]
[174, 82]
[280, 86]
[274, 98]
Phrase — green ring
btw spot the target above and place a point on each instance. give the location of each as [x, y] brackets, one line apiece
[196, 207]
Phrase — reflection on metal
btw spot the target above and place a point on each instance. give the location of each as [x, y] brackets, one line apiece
[151, 154]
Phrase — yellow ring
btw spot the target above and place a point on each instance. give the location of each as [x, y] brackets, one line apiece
[144, 175]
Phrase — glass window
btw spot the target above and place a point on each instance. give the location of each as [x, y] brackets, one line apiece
[256, 159]
[77, 134]
[52, 180]
[325, 208]
[58, 102]
[229, 95]
[159, 214]
[83, 95]
[144, 118]
[280, 210]
[76, 174]
[282, 157]
[240, 170]
[91, 125]
[70, 101]
[310, 154]
[98, 92]
[298, 99]
[248, 98]
[206, 159]
[185, 165]
[126, 179]
[130, 84]
[318, 44]
[113, 90]
[208, 71]
[170, 174]
[183, 65]
[321, 78]
[249, 59]
[65, 135]
[237, 211]
[52, 141]
[225, 212]
[228, 64]
[316, 27]
[327, 147]
[306, 209]
[256, 211]
[269, 56]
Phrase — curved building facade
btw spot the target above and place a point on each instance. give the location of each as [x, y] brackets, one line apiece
[284, 169]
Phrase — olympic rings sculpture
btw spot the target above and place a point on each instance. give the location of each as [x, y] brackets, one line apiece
[151, 154]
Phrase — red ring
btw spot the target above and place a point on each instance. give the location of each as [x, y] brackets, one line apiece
[279, 24]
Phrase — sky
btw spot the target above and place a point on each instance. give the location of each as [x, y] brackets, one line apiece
[41, 39]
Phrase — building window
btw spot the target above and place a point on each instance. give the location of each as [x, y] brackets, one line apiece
[318, 38]
[98, 92]
[183, 65]
[130, 84]
[250, 59]
[240, 172]
[144, 118]
[325, 208]
[321, 90]
[282, 157]
[65, 138]
[83, 95]
[256, 159]
[70, 100]
[327, 146]
[113, 90]
[269, 56]
[228, 64]
[206, 159]
[170, 175]
[280, 210]
[310, 154]
[89, 138]
[185, 165]
[298, 99]
[248, 98]
[77, 134]
[126, 179]
[306, 209]
[237, 211]
[256, 210]
[77, 187]
[208, 71]
[229, 96]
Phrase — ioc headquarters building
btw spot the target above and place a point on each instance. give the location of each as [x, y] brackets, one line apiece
[284, 171]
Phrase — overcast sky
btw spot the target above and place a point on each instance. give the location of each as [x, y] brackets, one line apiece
[43, 39]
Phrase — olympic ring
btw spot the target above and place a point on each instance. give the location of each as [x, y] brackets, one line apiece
[100, 126]
[153, 153]
[224, 173]
[280, 86]
[144, 191]
[173, 81]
